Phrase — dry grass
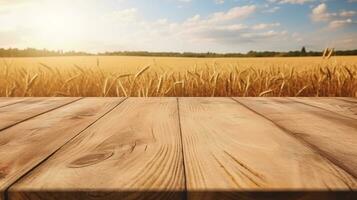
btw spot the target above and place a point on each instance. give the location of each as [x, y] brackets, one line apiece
[327, 78]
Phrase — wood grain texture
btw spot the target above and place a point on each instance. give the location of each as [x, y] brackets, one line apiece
[24, 146]
[15, 113]
[133, 152]
[348, 99]
[331, 134]
[230, 150]
[339, 106]
[4, 101]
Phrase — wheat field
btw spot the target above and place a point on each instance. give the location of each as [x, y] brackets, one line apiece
[186, 77]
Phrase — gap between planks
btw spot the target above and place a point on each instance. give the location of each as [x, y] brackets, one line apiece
[182, 150]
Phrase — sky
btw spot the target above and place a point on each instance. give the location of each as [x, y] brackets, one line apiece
[221, 26]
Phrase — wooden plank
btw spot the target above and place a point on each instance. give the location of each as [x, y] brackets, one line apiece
[16, 113]
[134, 152]
[24, 146]
[231, 151]
[349, 99]
[331, 134]
[335, 105]
[5, 101]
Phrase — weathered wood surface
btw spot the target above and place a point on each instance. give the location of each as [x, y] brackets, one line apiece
[341, 106]
[4, 101]
[229, 147]
[178, 148]
[130, 153]
[332, 135]
[15, 113]
[24, 146]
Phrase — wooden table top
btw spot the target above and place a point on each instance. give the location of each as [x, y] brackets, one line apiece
[178, 148]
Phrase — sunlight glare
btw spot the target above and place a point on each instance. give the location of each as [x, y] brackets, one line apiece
[57, 25]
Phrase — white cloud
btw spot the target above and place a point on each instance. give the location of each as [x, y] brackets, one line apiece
[290, 1]
[264, 35]
[126, 15]
[335, 20]
[339, 23]
[218, 19]
[234, 13]
[320, 13]
[219, 1]
[272, 10]
[350, 13]
[265, 26]
[297, 37]
[227, 31]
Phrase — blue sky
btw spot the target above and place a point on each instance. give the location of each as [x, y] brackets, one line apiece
[178, 25]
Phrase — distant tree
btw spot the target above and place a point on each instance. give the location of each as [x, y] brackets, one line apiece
[303, 50]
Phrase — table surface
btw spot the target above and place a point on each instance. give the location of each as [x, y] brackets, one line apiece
[178, 148]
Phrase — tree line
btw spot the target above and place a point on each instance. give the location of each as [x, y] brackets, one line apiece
[31, 52]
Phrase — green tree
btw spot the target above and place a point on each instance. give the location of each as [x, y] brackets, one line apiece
[303, 50]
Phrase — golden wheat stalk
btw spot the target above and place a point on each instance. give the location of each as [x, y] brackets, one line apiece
[142, 71]
[266, 92]
[325, 53]
[330, 53]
